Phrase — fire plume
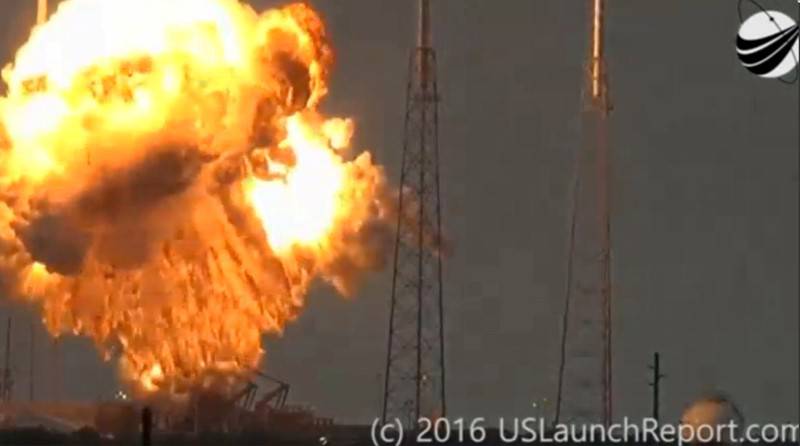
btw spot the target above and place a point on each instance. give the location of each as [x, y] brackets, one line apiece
[168, 186]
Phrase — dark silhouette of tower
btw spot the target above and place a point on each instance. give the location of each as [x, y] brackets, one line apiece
[147, 426]
[415, 371]
[7, 383]
[585, 378]
[55, 369]
[32, 359]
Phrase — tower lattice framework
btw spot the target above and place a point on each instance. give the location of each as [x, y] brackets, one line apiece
[585, 369]
[414, 384]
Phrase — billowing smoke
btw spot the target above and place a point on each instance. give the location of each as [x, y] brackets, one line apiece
[168, 187]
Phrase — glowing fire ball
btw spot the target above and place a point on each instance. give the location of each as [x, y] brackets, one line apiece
[169, 187]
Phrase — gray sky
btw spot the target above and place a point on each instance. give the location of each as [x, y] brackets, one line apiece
[705, 196]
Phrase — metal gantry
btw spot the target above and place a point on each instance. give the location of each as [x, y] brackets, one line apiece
[7, 380]
[415, 368]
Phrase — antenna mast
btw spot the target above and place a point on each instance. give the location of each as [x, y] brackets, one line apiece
[424, 44]
[656, 385]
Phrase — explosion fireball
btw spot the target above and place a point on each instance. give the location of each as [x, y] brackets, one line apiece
[168, 187]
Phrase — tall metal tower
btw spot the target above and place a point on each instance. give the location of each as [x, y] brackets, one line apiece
[56, 366]
[32, 363]
[415, 368]
[585, 378]
[7, 383]
[41, 18]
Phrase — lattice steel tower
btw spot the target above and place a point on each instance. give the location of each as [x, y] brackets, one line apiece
[415, 371]
[7, 380]
[585, 378]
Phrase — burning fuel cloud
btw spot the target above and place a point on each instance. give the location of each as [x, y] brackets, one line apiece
[168, 187]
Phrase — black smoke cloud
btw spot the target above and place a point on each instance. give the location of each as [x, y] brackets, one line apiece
[121, 216]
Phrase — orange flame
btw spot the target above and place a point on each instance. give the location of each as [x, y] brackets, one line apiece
[317, 177]
[169, 188]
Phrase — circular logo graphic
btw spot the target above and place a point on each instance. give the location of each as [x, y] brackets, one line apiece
[768, 44]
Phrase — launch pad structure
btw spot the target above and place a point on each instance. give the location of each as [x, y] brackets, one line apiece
[415, 363]
[414, 378]
[7, 379]
[584, 392]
